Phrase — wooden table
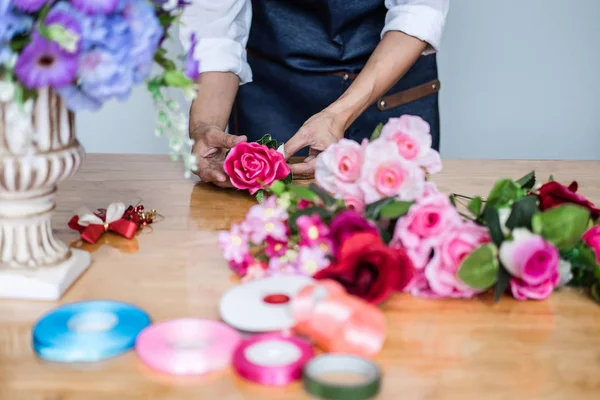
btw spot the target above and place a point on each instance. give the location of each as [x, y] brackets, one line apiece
[450, 349]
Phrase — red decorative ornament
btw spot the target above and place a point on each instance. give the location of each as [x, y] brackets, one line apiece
[116, 218]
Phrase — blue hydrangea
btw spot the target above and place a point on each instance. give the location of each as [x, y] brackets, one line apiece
[12, 23]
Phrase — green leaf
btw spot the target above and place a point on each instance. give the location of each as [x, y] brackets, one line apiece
[479, 269]
[550, 178]
[502, 283]
[528, 181]
[562, 226]
[277, 187]
[260, 196]
[272, 144]
[175, 78]
[385, 234]
[522, 213]
[66, 38]
[303, 192]
[395, 210]
[475, 206]
[288, 179]
[323, 213]
[504, 192]
[328, 199]
[377, 132]
[373, 210]
[265, 139]
[492, 221]
[452, 198]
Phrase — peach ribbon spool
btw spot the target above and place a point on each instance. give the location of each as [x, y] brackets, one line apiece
[338, 322]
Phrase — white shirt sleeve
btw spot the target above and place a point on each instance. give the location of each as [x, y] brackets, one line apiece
[222, 28]
[423, 19]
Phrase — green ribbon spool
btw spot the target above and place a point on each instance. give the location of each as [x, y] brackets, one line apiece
[316, 381]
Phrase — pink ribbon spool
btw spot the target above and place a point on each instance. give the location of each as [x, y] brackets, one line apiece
[187, 346]
[272, 359]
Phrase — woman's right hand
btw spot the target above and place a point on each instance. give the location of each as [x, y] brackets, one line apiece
[211, 146]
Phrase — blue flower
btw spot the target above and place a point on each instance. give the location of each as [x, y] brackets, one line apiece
[78, 100]
[102, 75]
[12, 23]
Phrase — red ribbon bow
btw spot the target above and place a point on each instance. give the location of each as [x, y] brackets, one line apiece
[93, 225]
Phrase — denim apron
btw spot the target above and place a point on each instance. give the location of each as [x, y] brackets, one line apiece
[305, 53]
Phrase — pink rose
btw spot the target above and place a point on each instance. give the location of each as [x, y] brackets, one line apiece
[339, 166]
[430, 189]
[592, 239]
[457, 243]
[426, 223]
[411, 134]
[251, 166]
[384, 174]
[533, 263]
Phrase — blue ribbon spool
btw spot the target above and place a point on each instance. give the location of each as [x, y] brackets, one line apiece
[88, 331]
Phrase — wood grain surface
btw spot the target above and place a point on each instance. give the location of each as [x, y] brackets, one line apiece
[444, 349]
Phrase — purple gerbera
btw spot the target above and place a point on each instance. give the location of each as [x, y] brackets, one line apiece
[192, 66]
[29, 5]
[92, 7]
[44, 63]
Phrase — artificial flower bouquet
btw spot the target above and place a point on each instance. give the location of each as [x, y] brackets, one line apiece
[91, 51]
[376, 224]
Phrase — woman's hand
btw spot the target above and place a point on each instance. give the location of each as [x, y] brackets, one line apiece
[211, 146]
[317, 133]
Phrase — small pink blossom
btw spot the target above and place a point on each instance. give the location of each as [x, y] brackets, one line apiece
[411, 135]
[312, 230]
[241, 268]
[234, 244]
[261, 229]
[384, 174]
[533, 263]
[311, 260]
[282, 266]
[456, 245]
[592, 239]
[339, 166]
[275, 248]
[267, 211]
[256, 270]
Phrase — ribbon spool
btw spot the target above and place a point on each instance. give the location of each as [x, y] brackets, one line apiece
[88, 331]
[262, 305]
[272, 359]
[338, 322]
[187, 346]
[341, 377]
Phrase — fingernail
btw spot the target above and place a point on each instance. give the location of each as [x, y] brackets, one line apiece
[241, 138]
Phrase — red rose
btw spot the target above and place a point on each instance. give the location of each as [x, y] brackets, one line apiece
[253, 166]
[368, 268]
[553, 194]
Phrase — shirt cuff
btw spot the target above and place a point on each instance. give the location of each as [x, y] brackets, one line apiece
[420, 21]
[223, 55]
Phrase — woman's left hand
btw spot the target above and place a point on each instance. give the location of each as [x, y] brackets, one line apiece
[317, 133]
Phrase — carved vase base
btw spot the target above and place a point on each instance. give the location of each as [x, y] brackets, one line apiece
[45, 283]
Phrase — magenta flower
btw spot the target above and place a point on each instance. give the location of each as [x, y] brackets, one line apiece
[44, 63]
[29, 5]
[346, 224]
[92, 7]
[275, 248]
[312, 230]
[311, 260]
[234, 244]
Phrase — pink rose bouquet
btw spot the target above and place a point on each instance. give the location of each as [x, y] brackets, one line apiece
[374, 223]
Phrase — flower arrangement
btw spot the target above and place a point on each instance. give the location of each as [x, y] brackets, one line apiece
[91, 51]
[374, 223]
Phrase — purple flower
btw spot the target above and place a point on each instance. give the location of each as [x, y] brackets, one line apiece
[92, 7]
[44, 63]
[29, 5]
[346, 224]
[192, 66]
[78, 100]
[146, 32]
[62, 14]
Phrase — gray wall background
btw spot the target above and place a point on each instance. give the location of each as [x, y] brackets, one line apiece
[520, 79]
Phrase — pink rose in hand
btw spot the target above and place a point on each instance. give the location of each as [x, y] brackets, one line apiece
[533, 263]
[457, 243]
[411, 135]
[592, 239]
[338, 167]
[384, 174]
[252, 166]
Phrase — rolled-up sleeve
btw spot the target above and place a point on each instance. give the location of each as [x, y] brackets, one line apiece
[423, 19]
[221, 28]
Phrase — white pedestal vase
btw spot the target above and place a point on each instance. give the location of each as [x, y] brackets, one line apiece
[38, 149]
